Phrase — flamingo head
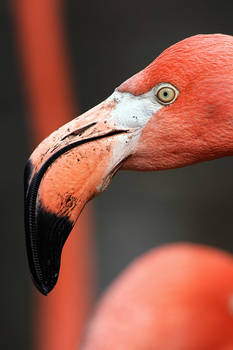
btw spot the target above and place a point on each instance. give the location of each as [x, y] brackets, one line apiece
[196, 125]
[177, 111]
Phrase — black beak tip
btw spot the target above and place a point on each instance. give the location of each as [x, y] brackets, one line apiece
[44, 287]
[46, 234]
[44, 291]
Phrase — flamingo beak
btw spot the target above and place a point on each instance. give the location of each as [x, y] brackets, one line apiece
[65, 171]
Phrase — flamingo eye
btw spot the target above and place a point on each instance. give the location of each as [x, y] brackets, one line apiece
[166, 93]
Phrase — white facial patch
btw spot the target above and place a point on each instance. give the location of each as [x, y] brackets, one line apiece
[133, 111]
[130, 113]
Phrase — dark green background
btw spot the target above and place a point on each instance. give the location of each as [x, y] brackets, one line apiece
[109, 41]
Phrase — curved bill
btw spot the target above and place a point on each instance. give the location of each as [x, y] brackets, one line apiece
[64, 172]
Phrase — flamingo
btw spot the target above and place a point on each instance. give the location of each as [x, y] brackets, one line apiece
[176, 112]
[176, 297]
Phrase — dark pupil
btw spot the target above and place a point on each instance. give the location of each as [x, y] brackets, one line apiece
[165, 94]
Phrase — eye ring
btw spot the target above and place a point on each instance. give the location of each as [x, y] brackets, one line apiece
[166, 93]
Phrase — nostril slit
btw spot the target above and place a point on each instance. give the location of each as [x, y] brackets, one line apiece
[79, 131]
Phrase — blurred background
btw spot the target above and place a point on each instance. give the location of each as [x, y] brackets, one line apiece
[106, 42]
